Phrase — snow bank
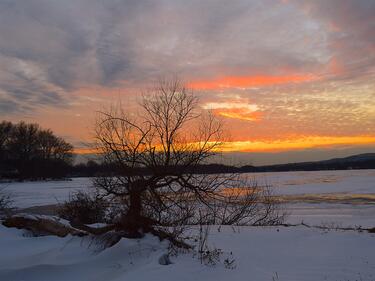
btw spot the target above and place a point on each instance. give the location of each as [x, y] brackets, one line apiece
[294, 253]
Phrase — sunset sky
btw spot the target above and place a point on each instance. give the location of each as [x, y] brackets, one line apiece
[292, 80]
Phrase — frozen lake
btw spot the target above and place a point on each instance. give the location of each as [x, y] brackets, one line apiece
[341, 197]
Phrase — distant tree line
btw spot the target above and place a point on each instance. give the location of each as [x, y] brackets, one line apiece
[93, 168]
[29, 152]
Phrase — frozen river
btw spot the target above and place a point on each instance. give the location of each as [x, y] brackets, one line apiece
[339, 197]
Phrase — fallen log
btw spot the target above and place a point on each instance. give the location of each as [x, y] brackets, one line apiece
[42, 225]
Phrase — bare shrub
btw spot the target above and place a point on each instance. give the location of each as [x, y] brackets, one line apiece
[84, 208]
[208, 255]
[243, 202]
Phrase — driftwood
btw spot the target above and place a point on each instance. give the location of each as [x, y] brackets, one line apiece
[41, 225]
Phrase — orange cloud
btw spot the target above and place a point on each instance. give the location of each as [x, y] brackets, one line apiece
[295, 144]
[250, 81]
[239, 113]
[335, 66]
[235, 110]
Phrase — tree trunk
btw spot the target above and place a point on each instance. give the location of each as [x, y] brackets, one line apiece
[133, 222]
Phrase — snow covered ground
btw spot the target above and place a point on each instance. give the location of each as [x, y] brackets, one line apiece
[352, 192]
[270, 253]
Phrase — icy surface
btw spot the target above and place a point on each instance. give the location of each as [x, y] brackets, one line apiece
[320, 182]
[39, 193]
[330, 184]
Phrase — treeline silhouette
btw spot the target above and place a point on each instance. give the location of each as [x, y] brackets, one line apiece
[95, 168]
[29, 152]
[361, 161]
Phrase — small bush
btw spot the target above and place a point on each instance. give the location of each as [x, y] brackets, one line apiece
[84, 208]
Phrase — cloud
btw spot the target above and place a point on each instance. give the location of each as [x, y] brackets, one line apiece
[307, 142]
[96, 42]
[8, 106]
[240, 113]
[350, 36]
[244, 82]
[236, 110]
[297, 67]
[24, 87]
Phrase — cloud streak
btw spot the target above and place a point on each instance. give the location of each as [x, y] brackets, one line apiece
[244, 82]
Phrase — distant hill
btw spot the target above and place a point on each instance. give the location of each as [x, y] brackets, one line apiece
[353, 158]
[360, 161]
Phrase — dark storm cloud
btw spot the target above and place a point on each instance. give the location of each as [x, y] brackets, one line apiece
[38, 48]
[43, 33]
[8, 106]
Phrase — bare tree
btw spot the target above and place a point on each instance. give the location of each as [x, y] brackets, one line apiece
[156, 158]
[53, 147]
[29, 152]
[5, 133]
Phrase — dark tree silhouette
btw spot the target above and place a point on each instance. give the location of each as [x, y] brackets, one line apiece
[29, 152]
[157, 156]
[5, 134]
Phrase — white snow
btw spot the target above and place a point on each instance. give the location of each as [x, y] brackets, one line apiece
[271, 253]
[343, 215]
